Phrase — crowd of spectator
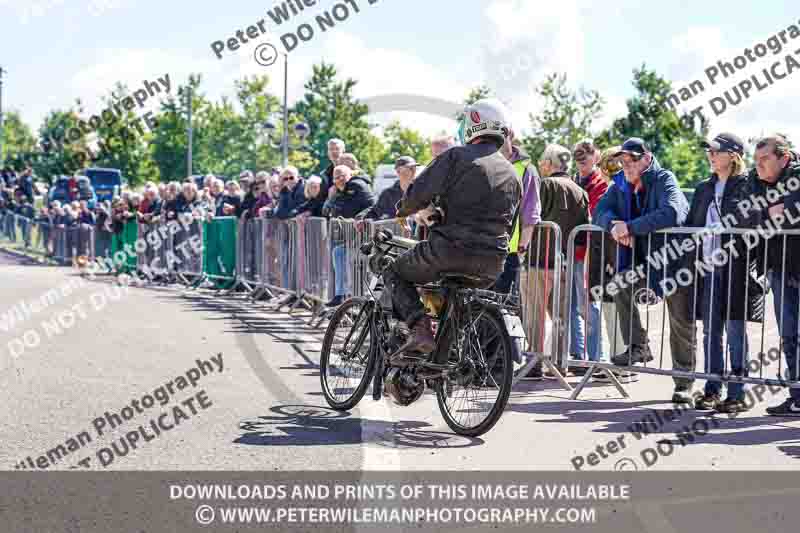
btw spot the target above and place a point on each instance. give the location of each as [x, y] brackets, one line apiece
[623, 189]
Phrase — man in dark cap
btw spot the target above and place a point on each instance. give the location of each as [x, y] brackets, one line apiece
[386, 207]
[633, 211]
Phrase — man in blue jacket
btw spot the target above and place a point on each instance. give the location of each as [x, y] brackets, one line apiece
[632, 211]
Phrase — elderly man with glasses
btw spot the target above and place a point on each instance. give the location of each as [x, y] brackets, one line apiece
[633, 211]
[353, 195]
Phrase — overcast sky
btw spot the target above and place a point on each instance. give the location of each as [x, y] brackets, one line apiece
[59, 50]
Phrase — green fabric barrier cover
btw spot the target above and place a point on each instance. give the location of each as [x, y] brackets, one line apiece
[219, 251]
[126, 240]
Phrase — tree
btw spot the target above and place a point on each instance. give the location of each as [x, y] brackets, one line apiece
[17, 139]
[567, 116]
[169, 144]
[675, 140]
[331, 111]
[65, 145]
[123, 144]
[404, 141]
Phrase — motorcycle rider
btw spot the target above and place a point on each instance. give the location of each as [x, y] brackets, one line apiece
[478, 191]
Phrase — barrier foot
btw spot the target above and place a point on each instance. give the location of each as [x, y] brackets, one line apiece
[557, 373]
[300, 302]
[613, 377]
[584, 381]
[524, 370]
[290, 299]
[264, 294]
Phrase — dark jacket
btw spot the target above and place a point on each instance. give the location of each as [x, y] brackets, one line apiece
[737, 189]
[235, 201]
[246, 205]
[565, 203]
[386, 207]
[665, 206]
[774, 246]
[355, 197]
[86, 217]
[478, 190]
[170, 207]
[313, 206]
[327, 180]
[154, 207]
[187, 206]
[290, 201]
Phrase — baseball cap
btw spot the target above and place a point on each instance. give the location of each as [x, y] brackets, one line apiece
[725, 142]
[583, 149]
[405, 161]
[633, 146]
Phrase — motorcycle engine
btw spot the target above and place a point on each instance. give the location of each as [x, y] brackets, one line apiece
[403, 386]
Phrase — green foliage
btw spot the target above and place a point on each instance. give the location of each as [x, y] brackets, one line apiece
[566, 117]
[674, 140]
[123, 144]
[331, 111]
[404, 141]
[67, 154]
[229, 135]
[17, 139]
[169, 143]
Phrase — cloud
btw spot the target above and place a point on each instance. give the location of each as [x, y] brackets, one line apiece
[379, 71]
[772, 109]
[526, 41]
[132, 67]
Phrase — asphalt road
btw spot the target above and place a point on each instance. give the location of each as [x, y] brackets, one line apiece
[264, 410]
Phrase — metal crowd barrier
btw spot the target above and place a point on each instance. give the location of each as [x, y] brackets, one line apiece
[153, 251]
[316, 259]
[9, 228]
[249, 253]
[649, 314]
[542, 297]
[42, 243]
[187, 261]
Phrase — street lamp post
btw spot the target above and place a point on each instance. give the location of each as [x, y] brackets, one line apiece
[301, 129]
[189, 130]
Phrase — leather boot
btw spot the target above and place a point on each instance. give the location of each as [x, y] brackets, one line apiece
[421, 339]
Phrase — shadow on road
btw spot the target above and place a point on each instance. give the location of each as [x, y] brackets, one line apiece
[311, 425]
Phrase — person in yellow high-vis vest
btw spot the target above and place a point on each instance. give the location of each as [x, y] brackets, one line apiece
[517, 156]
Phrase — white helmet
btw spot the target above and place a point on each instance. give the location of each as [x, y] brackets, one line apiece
[485, 118]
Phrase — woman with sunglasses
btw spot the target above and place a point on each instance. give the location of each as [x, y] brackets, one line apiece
[721, 300]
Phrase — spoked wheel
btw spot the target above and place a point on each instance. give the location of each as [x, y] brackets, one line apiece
[472, 398]
[348, 355]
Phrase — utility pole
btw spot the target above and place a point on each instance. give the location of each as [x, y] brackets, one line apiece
[189, 131]
[285, 110]
[2, 129]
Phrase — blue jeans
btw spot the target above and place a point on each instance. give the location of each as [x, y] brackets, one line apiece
[578, 327]
[715, 288]
[786, 300]
[340, 270]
